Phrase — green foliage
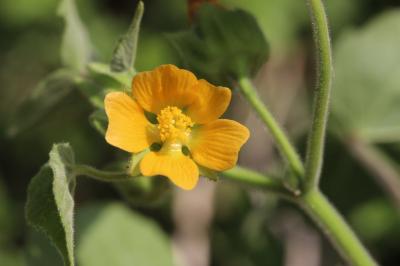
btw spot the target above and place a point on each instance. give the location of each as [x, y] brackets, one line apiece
[366, 92]
[273, 18]
[49, 207]
[76, 50]
[125, 53]
[122, 236]
[217, 46]
[376, 220]
[43, 98]
[98, 119]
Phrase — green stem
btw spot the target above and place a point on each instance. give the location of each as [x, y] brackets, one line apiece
[107, 176]
[335, 227]
[316, 137]
[254, 179]
[285, 147]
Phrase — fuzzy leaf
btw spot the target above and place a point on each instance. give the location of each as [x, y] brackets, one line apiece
[366, 89]
[76, 49]
[125, 52]
[50, 204]
[122, 236]
[222, 44]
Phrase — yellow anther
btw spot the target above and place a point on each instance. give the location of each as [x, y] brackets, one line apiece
[173, 124]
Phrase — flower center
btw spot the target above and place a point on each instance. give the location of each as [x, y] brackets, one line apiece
[174, 125]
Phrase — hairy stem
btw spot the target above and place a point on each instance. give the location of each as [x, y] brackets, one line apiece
[285, 147]
[316, 137]
[107, 176]
[335, 228]
[254, 179]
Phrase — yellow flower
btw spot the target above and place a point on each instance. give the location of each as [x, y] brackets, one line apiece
[187, 111]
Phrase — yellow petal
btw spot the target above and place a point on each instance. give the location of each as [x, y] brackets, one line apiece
[128, 128]
[211, 102]
[164, 86]
[180, 169]
[216, 145]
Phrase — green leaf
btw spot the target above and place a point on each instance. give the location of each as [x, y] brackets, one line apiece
[123, 79]
[50, 204]
[98, 120]
[375, 220]
[125, 237]
[43, 98]
[39, 251]
[125, 52]
[222, 44]
[366, 89]
[102, 80]
[76, 48]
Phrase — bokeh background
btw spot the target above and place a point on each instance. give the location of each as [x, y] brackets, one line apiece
[217, 224]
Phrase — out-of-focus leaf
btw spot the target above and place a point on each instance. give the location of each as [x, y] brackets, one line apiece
[11, 258]
[25, 12]
[112, 234]
[43, 98]
[122, 78]
[101, 80]
[50, 204]
[272, 16]
[76, 48]
[222, 44]
[125, 51]
[6, 217]
[144, 191]
[98, 120]
[376, 220]
[366, 92]
[39, 251]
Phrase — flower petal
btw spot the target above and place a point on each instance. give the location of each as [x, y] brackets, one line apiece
[128, 128]
[164, 86]
[180, 169]
[211, 102]
[216, 145]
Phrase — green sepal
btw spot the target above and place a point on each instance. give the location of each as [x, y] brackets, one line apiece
[222, 44]
[208, 173]
[134, 163]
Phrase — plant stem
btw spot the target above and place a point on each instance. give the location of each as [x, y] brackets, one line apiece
[107, 176]
[316, 139]
[254, 179]
[335, 228]
[285, 147]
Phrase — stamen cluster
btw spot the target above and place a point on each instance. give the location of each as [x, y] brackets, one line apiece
[173, 124]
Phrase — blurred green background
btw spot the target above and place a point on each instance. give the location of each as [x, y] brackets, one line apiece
[246, 227]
